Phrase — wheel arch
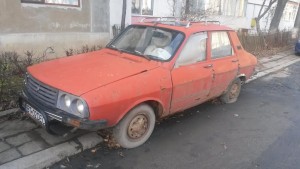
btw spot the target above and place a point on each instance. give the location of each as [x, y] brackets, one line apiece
[242, 77]
[156, 105]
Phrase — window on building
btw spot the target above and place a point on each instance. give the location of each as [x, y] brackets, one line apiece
[220, 45]
[232, 7]
[54, 2]
[290, 12]
[194, 50]
[142, 7]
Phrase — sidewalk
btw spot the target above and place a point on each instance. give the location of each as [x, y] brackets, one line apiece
[267, 65]
[23, 144]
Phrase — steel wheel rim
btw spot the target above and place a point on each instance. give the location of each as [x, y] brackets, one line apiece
[138, 127]
[234, 91]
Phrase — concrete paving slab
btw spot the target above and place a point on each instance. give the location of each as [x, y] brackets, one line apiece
[3, 146]
[49, 156]
[18, 140]
[13, 127]
[9, 155]
[31, 147]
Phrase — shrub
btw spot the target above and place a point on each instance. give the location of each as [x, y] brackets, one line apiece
[12, 70]
[84, 49]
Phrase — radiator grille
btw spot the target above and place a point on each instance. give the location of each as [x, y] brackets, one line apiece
[41, 92]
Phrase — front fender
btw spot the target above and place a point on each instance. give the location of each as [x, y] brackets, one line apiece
[113, 101]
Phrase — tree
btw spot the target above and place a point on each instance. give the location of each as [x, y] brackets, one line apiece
[297, 21]
[277, 15]
[123, 14]
[261, 14]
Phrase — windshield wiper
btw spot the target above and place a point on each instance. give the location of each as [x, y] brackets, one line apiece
[114, 47]
[141, 54]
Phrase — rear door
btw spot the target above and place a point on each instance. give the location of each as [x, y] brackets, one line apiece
[225, 62]
[192, 74]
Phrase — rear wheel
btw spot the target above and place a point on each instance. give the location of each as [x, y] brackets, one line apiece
[136, 127]
[233, 92]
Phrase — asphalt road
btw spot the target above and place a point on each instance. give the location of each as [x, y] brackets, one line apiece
[260, 131]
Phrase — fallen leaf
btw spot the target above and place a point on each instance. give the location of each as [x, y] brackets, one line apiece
[98, 165]
[63, 166]
[224, 145]
[121, 154]
[89, 165]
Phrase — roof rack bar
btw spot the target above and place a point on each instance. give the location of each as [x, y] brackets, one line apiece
[206, 21]
[158, 19]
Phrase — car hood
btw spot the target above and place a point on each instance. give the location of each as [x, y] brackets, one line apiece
[85, 72]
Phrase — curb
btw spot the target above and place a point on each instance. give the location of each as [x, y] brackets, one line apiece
[54, 154]
[273, 69]
[7, 112]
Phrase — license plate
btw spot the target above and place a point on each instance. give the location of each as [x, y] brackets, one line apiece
[35, 114]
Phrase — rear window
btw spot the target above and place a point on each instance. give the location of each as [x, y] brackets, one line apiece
[220, 45]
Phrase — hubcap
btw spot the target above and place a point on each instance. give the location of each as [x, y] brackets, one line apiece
[234, 91]
[138, 127]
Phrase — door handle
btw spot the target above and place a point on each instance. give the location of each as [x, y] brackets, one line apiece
[208, 66]
[236, 60]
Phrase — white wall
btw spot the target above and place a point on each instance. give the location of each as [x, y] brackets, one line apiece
[116, 13]
[163, 8]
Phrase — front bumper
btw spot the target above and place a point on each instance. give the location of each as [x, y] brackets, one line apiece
[56, 115]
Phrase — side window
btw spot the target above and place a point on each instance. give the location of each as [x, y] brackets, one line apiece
[194, 50]
[220, 45]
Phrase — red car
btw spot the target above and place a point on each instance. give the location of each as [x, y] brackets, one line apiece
[150, 71]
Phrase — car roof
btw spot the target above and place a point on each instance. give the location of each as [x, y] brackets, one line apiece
[191, 27]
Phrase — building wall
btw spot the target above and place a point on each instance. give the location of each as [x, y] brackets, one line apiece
[35, 27]
[163, 8]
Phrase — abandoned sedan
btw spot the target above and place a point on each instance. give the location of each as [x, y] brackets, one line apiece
[150, 71]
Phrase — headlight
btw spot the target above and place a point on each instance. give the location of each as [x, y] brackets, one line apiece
[72, 104]
[80, 106]
[67, 100]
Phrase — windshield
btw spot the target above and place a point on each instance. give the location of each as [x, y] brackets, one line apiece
[150, 42]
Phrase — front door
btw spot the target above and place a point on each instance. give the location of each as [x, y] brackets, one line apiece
[192, 74]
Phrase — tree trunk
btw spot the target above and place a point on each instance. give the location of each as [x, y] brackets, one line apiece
[297, 21]
[123, 14]
[187, 7]
[258, 26]
[277, 15]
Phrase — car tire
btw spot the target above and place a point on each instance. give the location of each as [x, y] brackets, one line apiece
[136, 127]
[233, 92]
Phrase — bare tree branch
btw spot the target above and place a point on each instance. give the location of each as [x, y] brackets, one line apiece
[268, 8]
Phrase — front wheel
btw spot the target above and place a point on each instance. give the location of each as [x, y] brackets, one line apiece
[136, 127]
[233, 92]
